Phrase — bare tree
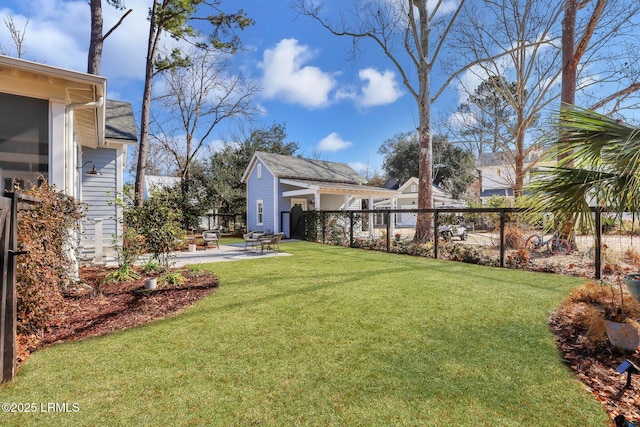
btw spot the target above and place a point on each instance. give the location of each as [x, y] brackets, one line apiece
[97, 38]
[403, 29]
[17, 36]
[527, 29]
[193, 102]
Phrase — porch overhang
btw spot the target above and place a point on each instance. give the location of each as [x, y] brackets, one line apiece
[324, 187]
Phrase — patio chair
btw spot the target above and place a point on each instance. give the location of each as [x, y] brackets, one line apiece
[274, 242]
[211, 237]
[251, 239]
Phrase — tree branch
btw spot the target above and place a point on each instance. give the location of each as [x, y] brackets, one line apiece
[117, 24]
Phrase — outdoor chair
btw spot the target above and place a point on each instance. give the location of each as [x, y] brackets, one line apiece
[211, 237]
[251, 239]
[274, 242]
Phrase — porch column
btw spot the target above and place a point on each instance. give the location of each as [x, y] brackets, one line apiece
[346, 202]
[316, 198]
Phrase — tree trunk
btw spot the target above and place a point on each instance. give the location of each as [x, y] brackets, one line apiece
[143, 149]
[424, 221]
[96, 42]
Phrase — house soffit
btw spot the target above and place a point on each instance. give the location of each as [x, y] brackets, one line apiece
[31, 79]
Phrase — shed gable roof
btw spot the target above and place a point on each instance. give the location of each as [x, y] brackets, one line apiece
[282, 166]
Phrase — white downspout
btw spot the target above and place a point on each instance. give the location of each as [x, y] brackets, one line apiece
[70, 165]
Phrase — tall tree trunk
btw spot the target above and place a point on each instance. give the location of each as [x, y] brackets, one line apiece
[424, 221]
[143, 149]
[95, 45]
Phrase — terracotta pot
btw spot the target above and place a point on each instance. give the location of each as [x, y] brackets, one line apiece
[633, 284]
[622, 335]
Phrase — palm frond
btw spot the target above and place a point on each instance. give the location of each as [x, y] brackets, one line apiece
[599, 165]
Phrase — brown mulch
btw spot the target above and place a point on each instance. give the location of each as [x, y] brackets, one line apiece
[595, 365]
[89, 313]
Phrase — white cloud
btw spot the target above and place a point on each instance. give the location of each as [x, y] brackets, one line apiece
[333, 142]
[286, 77]
[379, 88]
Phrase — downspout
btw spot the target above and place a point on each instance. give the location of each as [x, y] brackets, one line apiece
[71, 172]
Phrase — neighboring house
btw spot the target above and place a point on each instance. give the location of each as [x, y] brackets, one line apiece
[57, 124]
[406, 197]
[158, 183]
[497, 173]
[276, 183]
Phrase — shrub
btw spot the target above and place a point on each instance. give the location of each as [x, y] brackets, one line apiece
[518, 259]
[514, 238]
[46, 232]
[158, 223]
[173, 278]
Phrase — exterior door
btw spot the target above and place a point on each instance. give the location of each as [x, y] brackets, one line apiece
[299, 202]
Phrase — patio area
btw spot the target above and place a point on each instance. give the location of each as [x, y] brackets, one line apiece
[228, 252]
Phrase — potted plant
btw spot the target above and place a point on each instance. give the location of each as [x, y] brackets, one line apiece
[606, 311]
[633, 284]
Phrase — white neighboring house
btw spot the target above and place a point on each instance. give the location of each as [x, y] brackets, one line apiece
[406, 197]
[497, 173]
[57, 124]
[158, 183]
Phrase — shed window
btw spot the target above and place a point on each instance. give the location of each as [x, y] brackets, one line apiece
[259, 171]
[414, 188]
[260, 211]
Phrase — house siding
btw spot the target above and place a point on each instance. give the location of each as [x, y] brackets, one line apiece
[261, 189]
[99, 192]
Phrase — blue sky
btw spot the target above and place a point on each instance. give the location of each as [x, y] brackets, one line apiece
[334, 107]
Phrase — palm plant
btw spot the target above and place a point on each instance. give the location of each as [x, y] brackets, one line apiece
[599, 165]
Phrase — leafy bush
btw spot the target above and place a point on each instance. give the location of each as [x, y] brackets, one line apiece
[124, 273]
[173, 278]
[159, 223]
[46, 232]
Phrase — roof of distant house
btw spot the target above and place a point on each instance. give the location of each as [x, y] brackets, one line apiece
[119, 121]
[500, 158]
[308, 169]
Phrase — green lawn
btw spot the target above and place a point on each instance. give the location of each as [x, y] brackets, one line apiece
[329, 336]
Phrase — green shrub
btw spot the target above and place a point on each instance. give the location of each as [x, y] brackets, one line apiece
[124, 273]
[159, 223]
[173, 278]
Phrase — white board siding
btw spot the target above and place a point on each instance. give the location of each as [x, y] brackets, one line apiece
[100, 192]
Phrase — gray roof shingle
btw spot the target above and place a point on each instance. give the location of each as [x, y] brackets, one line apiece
[119, 121]
[316, 170]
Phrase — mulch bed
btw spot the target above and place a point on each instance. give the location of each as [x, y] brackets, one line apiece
[89, 313]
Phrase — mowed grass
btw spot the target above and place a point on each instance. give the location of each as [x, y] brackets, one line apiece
[330, 336]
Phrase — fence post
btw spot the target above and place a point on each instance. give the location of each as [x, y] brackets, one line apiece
[351, 220]
[598, 225]
[386, 220]
[435, 234]
[98, 253]
[502, 216]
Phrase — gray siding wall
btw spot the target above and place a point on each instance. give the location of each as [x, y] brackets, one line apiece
[99, 192]
[260, 189]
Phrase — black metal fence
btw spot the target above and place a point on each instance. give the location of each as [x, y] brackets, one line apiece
[373, 229]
